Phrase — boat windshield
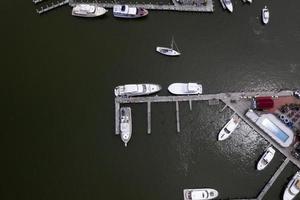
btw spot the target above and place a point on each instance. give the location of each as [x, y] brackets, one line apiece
[226, 130]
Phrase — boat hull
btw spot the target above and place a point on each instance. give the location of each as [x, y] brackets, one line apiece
[288, 194]
[99, 11]
[227, 5]
[127, 91]
[125, 124]
[191, 194]
[266, 158]
[183, 89]
[141, 12]
[230, 126]
[265, 15]
[167, 51]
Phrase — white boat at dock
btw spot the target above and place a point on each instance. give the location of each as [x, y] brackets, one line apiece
[229, 128]
[265, 15]
[169, 51]
[136, 89]
[87, 10]
[126, 11]
[292, 188]
[185, 88]
[125, 124]
[266, 158]
[227, 4]
[200, 194]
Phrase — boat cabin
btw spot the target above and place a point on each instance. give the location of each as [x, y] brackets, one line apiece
[125, 9]
[193, 87]
[196, 195]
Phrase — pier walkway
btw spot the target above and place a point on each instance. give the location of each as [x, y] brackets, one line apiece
[51, 6]
[207, 7]
[272, 180]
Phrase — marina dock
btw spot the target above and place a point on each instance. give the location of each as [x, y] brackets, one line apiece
[51, 6]
[184, 6]
[238, 102]
[273, 179]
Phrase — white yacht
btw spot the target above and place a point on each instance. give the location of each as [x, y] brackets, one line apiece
[227, 4]
[169, 51]
[200, 194]
[229, 128]
[292, 188]
[126, 11]
[250, 1]
[185, 88]
[125, 124]
[266, 158]
[87, 10]
[136, 89]
[265, 15]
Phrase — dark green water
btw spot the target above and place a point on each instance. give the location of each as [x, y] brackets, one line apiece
[58, 75]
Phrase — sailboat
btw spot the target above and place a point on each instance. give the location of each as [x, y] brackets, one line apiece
[169, 51]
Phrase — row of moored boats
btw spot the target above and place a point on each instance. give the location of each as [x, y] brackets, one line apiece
[121, 11]
[131, 90]
[127, 11]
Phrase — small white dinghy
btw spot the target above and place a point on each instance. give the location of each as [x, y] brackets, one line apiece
[200, 194]
[227, 4]
[229, 128]
[266, 158]
[265, 15]
[293, 188]
[185, 88]
[169, 51]
[125, 124]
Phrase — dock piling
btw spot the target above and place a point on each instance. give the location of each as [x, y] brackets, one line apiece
[117, 117]
[149, 116]
[190, 102]
[177, 117]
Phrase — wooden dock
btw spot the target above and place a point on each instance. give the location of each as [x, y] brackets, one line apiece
[238, 102]
[37, 1]
[208, 7]
[272, 180]
[51, 6]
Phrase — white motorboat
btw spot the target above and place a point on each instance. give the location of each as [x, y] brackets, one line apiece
[126, 11]
[200, 194]
[185, 88]
[266, 158]
[227, 4]
[136, 89]
[229, 128]
[169, 51]
[125, 124]
[292, 188]
[87, 10]
[265, 15]
[250, 1]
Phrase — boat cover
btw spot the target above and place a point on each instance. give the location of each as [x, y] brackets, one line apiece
[132, 11]
[86, 8]
[268, 156]
[192, 87]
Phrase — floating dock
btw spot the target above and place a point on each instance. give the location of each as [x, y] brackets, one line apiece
[184, 6]
[273, 179]
[238, 102]
[51, 6]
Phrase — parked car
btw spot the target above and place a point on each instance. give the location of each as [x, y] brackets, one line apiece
[297, 94]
